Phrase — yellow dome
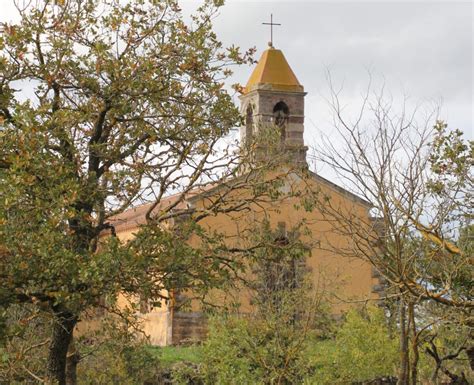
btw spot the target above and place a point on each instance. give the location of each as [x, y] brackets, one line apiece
[274, 73]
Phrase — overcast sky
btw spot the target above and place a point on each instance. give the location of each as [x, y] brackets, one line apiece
[423, 50]
[420, 49]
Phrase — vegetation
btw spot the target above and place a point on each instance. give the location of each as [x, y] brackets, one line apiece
[363, 349]
[291, 338]
[267, 347]
[417, 176]
[112, 356]
[127, 106]
[169, 355]
[249, 351]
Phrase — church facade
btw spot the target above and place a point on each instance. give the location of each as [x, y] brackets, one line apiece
[273, 97]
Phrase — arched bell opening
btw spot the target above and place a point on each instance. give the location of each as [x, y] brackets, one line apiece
[249, 124]
[281, 114]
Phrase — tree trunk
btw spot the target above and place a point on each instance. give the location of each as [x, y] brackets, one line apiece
[414, 344]
[72, 360]
[61, 337]
[403, 377]
[470, 355]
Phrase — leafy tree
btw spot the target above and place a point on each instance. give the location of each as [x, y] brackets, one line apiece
[113, 353]
[418, 178]
[123, 103]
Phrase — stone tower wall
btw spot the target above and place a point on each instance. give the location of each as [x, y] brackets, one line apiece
[262, 102]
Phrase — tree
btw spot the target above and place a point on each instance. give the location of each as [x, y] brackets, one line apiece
[270, 345]
[418, 178]
[122, 103]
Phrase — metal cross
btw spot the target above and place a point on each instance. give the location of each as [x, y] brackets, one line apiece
[271, 24]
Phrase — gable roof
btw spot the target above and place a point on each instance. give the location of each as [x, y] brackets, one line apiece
[340, 189]
[136, 216]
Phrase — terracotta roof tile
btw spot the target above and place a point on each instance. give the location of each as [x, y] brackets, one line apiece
[134, 217]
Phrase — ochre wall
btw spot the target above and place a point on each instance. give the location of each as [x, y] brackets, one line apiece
[155, 324]
[345, 280]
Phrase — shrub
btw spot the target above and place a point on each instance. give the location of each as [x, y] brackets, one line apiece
[363, 349]
[254, 351]
[114, 356]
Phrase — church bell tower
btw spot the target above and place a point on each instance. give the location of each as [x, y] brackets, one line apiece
[273, 97]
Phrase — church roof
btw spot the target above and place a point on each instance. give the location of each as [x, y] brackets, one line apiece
[274, 73]
[134, 217]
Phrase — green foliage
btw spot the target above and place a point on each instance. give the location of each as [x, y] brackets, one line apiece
[111, 354]
[363, 349]
[253, 351]
[451, 187]
[451, 160]
[127, 105]
[249, 350]
[118, 113]
[185, 373]
[268, 346]
[449, 340]
[115, 357]
[22, 348]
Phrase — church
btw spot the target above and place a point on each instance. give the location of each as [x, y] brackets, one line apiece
[272, 97]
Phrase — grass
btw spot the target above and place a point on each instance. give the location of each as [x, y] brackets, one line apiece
[168, 355]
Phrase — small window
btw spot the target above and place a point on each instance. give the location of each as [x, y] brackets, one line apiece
[144, 305]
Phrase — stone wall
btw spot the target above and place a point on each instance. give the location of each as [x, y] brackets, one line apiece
[188, 327]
